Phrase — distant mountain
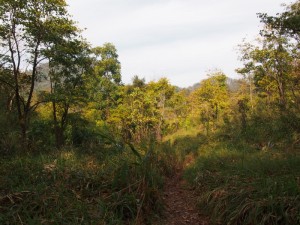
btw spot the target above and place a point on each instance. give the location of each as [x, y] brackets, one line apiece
[43, 83]
[232, 84]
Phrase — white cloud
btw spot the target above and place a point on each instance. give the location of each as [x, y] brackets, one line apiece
[178, 39]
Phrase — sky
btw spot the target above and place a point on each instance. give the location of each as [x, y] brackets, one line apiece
[182, 40]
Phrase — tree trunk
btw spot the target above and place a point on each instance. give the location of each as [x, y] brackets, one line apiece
[58, 130]
[23, 127]
[59, 137]
[281, 90]
[9, 103]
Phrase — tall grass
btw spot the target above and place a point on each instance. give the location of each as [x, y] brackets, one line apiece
[75, 186]
[245, 187]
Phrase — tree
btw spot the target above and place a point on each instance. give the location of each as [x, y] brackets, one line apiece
[284, 28]
[273, 61]
[107, 78]
[210, 99]
[141, 111]
[108, 66]
[162, 91]
[138, 82]
[287, 22]
[70, 69]
[247, 70]
[177, 111]
[28, 29]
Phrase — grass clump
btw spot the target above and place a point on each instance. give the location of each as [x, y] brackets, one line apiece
[247, 187]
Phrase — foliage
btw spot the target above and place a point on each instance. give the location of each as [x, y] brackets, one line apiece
[210, 100]
[142, 111]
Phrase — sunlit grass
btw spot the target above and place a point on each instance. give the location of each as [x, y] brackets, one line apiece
[185, 144]
[182, 133]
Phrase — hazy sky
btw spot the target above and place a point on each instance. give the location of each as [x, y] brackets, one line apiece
[178, 39]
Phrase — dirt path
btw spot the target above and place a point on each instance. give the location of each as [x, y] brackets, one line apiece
[180, 203]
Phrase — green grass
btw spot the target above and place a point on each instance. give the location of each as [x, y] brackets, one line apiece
[76, 186]
[240, 186]
[184, 143]
[117, 184]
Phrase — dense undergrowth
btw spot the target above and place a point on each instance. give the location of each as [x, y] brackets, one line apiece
[239, 180]
[108, 185]
[239, 184]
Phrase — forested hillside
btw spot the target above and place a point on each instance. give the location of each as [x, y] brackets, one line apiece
[78, 146]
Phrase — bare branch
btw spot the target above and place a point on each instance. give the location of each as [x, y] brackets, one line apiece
[42, 59]
[34, 106]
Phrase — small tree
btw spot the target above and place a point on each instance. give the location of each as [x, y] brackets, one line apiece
[210, 99]
[69, 72]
